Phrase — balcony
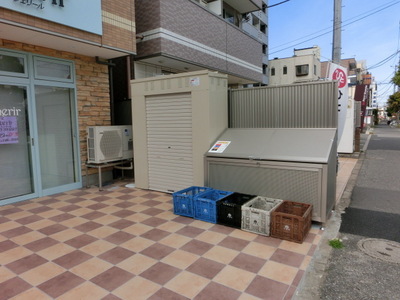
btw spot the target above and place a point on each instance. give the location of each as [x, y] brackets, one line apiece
[183, 35]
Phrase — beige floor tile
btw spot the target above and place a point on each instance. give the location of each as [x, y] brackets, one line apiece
[259, 250]
[107, 219]
[201, 224]
[211, 237]
[175, 240]
[138, 208]
[56, 251]
[103, 231]
[109, 209]
[180, 259]
[166, 215]
[165, 206]
[137, 288]
[278, 272]
[245, 296]
[244, 235]
[13, 255]
[58, 204]
[41, 224]
[9, 225]
[296, 247]
[91, 268]
[305, 263]
[97, 247]
[32, 293]
[42, 273]
[137, 264]
[86, 290]
[221, 254]
[28, 237]
[80, 211]
[137, 229]
[171, 226]
[73, 222]
[187, 284]
[5, 274]
[137, 244]
[66, 235]
[19, 215]
[49, 213]
[87, 203]
[234, 278]
[137, 217]
[29, 205]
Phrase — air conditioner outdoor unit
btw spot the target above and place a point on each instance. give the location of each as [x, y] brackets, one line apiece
[109, 143]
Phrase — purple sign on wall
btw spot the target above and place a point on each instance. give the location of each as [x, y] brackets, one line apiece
[8, 130]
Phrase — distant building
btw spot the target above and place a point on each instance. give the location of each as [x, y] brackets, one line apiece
[303, 66]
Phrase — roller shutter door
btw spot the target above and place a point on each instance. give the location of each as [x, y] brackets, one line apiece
[169, 140]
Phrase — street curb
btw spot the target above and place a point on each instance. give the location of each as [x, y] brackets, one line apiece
[310, 285]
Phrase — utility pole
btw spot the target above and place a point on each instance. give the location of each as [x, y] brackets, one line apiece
[337, 32]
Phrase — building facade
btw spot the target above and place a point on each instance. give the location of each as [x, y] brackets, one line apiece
[54, 82]
[66, 65]
[303, 66]
[187, 35]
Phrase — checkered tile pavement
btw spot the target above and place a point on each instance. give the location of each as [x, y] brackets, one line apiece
[124, 243]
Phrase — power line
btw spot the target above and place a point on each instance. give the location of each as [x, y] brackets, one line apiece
[345, 23]
[278, 3]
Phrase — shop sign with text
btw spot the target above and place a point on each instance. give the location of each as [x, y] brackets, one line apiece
[84, 15]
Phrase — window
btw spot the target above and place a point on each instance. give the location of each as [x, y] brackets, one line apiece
[284, 70]
[264, 48]
[315, 69]
[50, 69]
[263, 27]
[302, 70]
[12, 64]
[272, 71]
[230, 14]
[256, 21]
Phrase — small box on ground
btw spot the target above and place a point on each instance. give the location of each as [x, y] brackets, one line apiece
[205, 206]
[183, 200]
[229, 209]
[291, 221]
[256, 214]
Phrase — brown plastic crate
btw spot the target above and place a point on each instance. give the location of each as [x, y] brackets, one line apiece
[291, 221]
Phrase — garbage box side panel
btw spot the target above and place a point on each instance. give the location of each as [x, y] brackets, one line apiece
[298, 182]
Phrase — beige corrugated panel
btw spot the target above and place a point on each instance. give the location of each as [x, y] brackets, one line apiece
[312, 105]
[169, 137]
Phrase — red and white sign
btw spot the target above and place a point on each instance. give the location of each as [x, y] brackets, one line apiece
[339, 73]
[341, 77]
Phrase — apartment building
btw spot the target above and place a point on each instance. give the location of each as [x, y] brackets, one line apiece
[229, 36]
[54, 82]
[303, 66]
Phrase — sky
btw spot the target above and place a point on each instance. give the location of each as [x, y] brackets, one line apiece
[370, 32]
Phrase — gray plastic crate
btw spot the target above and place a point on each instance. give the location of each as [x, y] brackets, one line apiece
[256, 214]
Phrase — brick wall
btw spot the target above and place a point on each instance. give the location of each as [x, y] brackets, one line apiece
[93, 99]
[119, 28]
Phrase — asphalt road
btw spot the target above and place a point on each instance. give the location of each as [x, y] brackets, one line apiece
[374, 212]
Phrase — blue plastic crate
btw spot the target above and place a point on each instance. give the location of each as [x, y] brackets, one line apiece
[205, 205]
[183, 200]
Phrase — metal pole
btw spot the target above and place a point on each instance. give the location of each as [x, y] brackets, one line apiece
[337, 32]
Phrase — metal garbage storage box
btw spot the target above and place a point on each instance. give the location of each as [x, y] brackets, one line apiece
[295, 164]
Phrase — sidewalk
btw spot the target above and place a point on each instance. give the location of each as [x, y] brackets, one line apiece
[367, 219]
[309, 287]
[125, 243]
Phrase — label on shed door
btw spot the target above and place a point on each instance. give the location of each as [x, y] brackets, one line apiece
[219, 147]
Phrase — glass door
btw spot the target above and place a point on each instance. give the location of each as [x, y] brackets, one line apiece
[16, 177]
[56, 137]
